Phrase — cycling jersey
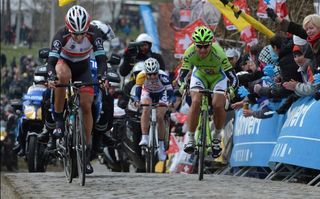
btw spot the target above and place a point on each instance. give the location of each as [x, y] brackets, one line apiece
[64, 47]
[162, 83]
[154, 89]
[213, 67]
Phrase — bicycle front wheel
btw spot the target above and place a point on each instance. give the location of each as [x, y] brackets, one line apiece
[81, 147]
[202, 145]
[69, 156]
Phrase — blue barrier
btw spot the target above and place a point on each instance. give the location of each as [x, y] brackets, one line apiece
[254, 139]
[150, 26]
[299, 140]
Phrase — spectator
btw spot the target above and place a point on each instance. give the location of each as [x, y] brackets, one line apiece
[310, 30]
[306, 87]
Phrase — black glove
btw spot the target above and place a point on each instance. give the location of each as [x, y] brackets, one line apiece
[225, 2]
[271, 14]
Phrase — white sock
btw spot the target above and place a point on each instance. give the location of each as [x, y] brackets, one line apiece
[190, 135]
[145, 137]
[217, 133]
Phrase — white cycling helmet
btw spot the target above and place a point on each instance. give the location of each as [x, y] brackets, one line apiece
[151, 65]
[143, 37]
[77, 19]
[105, 29]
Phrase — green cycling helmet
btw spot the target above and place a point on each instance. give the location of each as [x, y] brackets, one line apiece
[202, 34]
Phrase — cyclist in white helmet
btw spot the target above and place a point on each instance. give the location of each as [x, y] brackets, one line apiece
[153, 86]
[69, 59]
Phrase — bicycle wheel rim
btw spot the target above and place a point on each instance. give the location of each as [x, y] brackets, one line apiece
[203, 146]
[80, 148]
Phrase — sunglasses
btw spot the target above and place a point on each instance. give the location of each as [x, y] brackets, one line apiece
[78, 34]
[152, 74]
[205, 46]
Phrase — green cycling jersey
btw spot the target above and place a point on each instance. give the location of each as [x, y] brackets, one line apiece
[211, 66]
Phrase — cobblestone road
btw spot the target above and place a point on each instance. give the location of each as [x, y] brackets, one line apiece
[132, 185]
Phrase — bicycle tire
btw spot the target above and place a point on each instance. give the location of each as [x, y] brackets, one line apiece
[202, 147]
[81, 147]
[69, 158]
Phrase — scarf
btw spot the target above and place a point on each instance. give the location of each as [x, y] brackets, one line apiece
[313, 40]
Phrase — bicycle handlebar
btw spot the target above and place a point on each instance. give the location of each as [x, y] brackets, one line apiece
[154, 105]
[203, 91]
[78, 84]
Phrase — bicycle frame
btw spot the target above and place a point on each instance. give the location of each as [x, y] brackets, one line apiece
[74, 139]
[153, 145]
[203, 131]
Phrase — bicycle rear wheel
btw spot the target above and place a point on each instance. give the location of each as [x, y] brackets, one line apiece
[81, 147]
[202, 145]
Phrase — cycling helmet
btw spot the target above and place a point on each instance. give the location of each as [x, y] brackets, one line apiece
[151, 65]
[202, 34]
[143, 37]
[107, 31]
[77, 19]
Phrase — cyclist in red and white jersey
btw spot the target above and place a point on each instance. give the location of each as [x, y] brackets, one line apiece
[69, 58]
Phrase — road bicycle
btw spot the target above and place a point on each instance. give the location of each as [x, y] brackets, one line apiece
[203, 131]
[72, 147]
[151, 151]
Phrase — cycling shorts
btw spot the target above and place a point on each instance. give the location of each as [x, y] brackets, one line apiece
[160, 97]
[199, 79]
[80, 71]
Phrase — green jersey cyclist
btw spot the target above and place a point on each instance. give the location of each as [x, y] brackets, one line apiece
[210, 70]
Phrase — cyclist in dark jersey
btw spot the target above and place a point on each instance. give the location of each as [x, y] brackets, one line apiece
[69, 58]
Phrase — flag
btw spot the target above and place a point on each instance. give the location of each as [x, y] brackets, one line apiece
[240, 23]
[65, 2]
[245, 17]
[279, 6]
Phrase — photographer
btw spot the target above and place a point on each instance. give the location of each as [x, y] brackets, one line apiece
[140, 50]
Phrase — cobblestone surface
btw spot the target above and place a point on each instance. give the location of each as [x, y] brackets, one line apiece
[133, 185]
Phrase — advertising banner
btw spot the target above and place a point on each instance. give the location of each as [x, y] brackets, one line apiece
[254, 139]
[299, 139]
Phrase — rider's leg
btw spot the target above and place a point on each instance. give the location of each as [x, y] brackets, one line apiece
[64, 76]
[218, 102]
[193, 117]
[161, 111]
[145, 121]
[86, 99]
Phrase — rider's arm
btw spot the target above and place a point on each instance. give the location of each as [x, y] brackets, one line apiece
[167, 85]
[186, 65]
[231, 74]
[227, 67]
[54, 54]
[139, 82]
[98, 51]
